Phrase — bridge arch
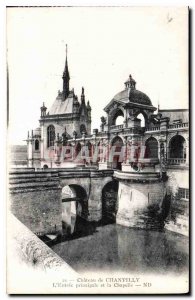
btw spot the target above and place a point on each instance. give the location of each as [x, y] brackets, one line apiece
[109, 202]
[74, 205]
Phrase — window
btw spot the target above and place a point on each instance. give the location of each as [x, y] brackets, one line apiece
[36, 145]
[50, 136]
[183, 193]
[151, 148]
[82, 129]
[177, 147]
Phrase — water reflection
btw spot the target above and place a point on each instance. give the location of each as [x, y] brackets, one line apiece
[117, 248]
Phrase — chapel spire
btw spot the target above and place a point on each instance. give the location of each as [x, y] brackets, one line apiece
[66, 79]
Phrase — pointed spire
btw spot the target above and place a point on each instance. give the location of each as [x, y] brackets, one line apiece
[83, 95]
[66, 78]
[158, 108]
[88, 105]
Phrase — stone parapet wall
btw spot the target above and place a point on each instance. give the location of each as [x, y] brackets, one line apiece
[26, 248]
[180, 226]
[36, 199]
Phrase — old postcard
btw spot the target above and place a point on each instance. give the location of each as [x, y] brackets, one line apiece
[98, 195]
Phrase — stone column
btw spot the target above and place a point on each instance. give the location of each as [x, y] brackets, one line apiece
[42, 142]
[125, 118]
[95, 200]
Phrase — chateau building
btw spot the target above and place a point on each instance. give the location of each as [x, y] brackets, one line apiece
[145, 147]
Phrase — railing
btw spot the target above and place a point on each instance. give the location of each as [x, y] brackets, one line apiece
[179, 125]
[176, 161]
[116, 127]
[171, 126]
[156, 128]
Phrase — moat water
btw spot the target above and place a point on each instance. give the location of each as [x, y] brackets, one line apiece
[116, 248]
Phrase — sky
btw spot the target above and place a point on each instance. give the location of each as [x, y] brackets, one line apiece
[105, 45]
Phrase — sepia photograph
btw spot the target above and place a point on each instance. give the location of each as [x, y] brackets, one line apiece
[98, 150]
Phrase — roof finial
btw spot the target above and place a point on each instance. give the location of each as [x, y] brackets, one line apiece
[158, 108]
[83, 95]
[66, 51]
[132, 82]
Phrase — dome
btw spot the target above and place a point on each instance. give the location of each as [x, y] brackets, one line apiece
[134, 96]
[139, 97]
[131, 94]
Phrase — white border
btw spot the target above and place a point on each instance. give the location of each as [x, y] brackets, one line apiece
[3, 104]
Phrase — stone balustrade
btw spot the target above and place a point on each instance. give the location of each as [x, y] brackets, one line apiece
[116, 127]
[179, 125]
[176, 161]
[155, 128]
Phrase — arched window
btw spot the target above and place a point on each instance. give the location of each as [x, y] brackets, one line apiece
[50, 136]
[83, 129]
[90, 148]
[118, 118]
[177, 147]
[142, 118]
[151, 148]
[118, 157]
[36, 145]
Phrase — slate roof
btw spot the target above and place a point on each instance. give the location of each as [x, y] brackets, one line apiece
[62, 107]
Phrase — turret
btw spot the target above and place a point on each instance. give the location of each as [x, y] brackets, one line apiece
[43, 110]
[89, 110]
[130, 83]
[76, 105]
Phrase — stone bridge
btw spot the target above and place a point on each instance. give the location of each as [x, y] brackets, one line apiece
[36, 197]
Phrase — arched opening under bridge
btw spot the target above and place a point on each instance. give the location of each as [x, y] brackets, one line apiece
[74, 208]
[109, 202]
